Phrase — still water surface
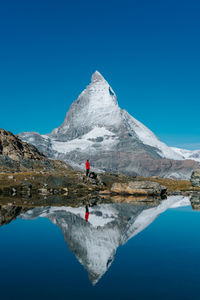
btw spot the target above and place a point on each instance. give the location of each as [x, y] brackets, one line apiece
[123, 251]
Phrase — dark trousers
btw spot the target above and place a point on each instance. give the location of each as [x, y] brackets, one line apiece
[87, 172]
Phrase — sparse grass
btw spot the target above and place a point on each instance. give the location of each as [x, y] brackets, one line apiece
[72, 181]
[173, 185]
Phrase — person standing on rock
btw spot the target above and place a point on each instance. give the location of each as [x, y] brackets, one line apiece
[87, 165]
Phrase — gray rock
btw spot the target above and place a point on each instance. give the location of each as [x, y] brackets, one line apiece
[139, 188]
[43, 191]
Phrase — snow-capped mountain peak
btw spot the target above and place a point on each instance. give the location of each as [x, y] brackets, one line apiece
[97, 77]
[96, 106]
[95, 127]
[99, 92]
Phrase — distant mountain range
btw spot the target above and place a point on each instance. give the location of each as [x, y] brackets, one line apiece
[96, 128]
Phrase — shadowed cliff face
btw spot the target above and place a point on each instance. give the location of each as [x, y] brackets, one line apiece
[95, 241]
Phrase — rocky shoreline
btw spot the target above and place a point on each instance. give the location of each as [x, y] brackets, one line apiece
[71, 184]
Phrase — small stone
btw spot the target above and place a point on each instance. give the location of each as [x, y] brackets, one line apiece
[43, 191]
[66, 191]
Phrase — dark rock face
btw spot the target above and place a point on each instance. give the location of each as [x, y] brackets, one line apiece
[195, 178]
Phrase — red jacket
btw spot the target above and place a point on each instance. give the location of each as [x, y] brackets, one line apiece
[86, 216]
[87, 165]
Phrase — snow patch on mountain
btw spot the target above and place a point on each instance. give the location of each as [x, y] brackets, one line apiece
[98, 132]
[97, 137]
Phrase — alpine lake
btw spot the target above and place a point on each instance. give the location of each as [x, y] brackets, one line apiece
[136, 250]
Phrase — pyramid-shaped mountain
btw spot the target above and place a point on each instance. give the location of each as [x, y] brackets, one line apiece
[96, 128]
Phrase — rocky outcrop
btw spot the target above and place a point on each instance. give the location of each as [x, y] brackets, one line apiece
[12, 147]
[138, 188]
[195, 178]
[18, 156]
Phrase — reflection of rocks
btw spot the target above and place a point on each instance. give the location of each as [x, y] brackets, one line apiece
[133, 199]
[9, 213]
[95, 242]
[195, 201]
[195, 178]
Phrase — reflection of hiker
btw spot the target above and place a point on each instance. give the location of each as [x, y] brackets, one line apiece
[87, 165]
[86, 213]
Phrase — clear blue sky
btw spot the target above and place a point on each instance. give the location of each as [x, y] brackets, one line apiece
[149, 52]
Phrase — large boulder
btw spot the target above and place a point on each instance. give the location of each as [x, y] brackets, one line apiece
[147, 188]
[195, 178]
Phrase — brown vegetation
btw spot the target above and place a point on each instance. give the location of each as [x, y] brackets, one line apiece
[173, 185]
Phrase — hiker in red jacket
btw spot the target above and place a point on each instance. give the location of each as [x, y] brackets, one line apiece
[87, 165]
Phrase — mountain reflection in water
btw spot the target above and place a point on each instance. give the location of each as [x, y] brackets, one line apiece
[95, 242]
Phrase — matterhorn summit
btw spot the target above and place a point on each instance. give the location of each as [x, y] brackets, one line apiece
[96, 128]
[97, 77]
[96, 106]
